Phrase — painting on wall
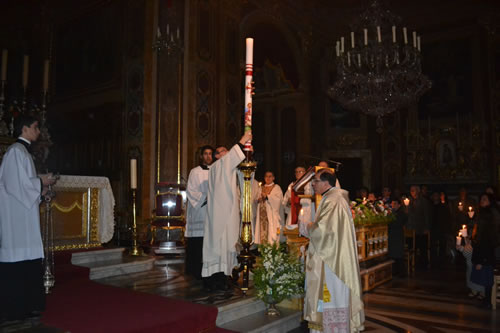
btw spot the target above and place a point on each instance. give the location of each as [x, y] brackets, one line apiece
[448, 64]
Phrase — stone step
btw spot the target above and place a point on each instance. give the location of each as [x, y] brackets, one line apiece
[239, 309]
[80, 258]
[126, 265]
[260, 322]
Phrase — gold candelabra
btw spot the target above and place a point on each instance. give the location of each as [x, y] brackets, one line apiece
[246, 258]
[136, 250]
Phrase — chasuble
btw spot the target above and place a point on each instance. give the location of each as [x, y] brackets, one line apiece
[272, 218]
[333, 285]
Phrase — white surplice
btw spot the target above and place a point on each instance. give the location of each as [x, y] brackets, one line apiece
[223, 214]
[20, 188]
[274, 212]
[196, 192]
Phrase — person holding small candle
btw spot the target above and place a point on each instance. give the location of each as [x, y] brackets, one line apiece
[397, 237]
[419, 219]
[269, 211]
[460, 208]
[484, 242]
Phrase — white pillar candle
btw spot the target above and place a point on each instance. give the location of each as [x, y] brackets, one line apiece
[405, 35]
[464, 232]
[365, 32]
[414, 39]
[248, 89]
[418, 43]
[379, 34]
[249, 52]
[5, 54]
[459, 240]
[337, 48]
[394, 34]
[341, 44]
[133, 173]
[46, 76]
[352, 39]
[26, 66]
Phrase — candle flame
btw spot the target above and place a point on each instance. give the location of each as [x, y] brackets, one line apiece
[459, 234]
[464, 226]
[470, 209]
[460, 204]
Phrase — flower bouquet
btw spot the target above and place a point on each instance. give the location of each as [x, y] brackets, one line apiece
[366, 212]
[277, 275]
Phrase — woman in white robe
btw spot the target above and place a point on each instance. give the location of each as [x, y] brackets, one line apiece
[269, 211]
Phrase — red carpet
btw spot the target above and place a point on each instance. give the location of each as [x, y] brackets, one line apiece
[80, 305]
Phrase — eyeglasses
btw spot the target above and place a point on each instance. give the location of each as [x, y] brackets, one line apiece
[300, 171]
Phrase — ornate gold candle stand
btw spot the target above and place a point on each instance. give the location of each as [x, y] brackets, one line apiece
[246, 258]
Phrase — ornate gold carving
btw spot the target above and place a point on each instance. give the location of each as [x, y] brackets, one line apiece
[94, 215]
[75, 246]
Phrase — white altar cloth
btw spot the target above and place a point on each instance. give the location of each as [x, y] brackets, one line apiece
[106, 201]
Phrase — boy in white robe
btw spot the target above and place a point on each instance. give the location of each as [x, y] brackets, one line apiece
[221, 230]
[21, 249]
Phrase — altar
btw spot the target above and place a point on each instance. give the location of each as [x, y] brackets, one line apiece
[82, 212]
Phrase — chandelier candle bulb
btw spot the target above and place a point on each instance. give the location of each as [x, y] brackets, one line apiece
[341, 44]
[133, 173]
[365, 31]
[352, 39]
[348, 59]
[414, 39]
[418, 43]
[394, 34]
[5, 55]
[379, 35]
[337, 48]
[359, 60]
[405, 35]
[26, 66]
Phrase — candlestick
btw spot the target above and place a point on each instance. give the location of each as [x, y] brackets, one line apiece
[4, 64]
[352, 39]
[46, 76]
[405, 35]
[135, 250]
[365, 31]
[248, 89]
[394, 34]
[379, 35]
[26, 70]
[133, 173]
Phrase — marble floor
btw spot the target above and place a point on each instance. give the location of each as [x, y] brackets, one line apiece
[431, 301]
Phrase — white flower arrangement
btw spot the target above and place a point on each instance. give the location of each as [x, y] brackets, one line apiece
[277, 274]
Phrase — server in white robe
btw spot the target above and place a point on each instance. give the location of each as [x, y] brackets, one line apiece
[197, 188]
[223, 214]
[21, 250]
[269, 218]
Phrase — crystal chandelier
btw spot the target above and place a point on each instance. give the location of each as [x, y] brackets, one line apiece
[378, 65]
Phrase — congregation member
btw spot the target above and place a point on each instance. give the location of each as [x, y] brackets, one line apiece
[419, 219]
[22, 292]
[396, 236]
[196, 192]
[269, 218]
[221, 229]
[460, 207]
[483, 243]
[333, 300]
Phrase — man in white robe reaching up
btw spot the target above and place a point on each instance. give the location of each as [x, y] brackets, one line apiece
[222, 225]
[269, 211]
[21, 249]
